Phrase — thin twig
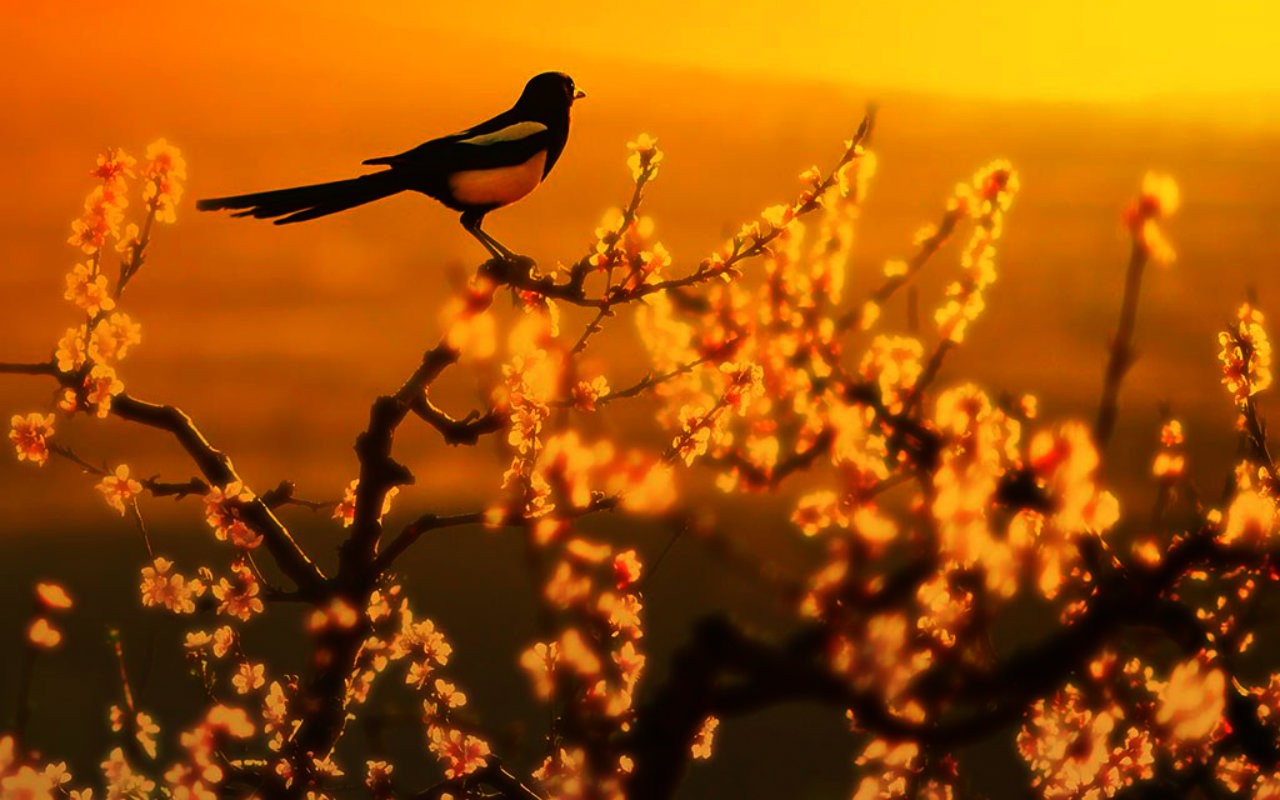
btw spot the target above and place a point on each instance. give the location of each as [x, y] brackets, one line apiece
[1121, 356]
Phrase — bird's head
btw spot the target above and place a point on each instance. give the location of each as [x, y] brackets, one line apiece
[550, 91]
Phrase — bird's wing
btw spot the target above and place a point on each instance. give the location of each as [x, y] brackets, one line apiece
[499, 142]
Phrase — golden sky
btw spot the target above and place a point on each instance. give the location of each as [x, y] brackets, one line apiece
[1071, 49]
[1050, 49]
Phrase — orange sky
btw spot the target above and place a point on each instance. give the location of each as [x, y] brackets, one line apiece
[1067, 49]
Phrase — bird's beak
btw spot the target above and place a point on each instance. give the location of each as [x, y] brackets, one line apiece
[578, 95]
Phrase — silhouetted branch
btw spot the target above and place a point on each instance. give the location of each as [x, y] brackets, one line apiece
[218, 470]
[467, 430]
[46, 368]
[1121, 355]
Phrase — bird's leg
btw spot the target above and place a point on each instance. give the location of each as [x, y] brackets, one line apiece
[471, 222]
[506, 252]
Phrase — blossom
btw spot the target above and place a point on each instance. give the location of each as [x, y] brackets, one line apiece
[779, 216]
[171, 590]
[112, 337]
[1067, 745]
[704, 739]
[470, 325]
[219, 643]
[88, 290]
[42, 634]
[144, 728]
[248, 677]
[1159, 198]
[1246, 355]
[578, 656]
[895, 268]
[114, 166]
[121, 780]
[100, 219]
[53, 596]
[1251, 518]
[539, 661]
[378, 778]
[626, 569]
[119, 489]
[222, 507]
[448, 694]
[587, 393]
[165, 173]
[239, 597]
[30, 436]
[893, 363]
[1192, 702]
[27, 783]
[100, 386]
[72, 349]
[461, 753]
[645, 157]
[425, 647]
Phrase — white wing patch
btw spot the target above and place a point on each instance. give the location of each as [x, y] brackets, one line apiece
[511, 133]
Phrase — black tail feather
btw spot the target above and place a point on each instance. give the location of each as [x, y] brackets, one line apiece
[308, 202]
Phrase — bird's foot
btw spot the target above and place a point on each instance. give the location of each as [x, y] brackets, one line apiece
[510, 268]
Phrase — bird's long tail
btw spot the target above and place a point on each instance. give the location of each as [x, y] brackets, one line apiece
[302, 203]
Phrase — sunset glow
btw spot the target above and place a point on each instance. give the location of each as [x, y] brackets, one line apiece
[605, 401]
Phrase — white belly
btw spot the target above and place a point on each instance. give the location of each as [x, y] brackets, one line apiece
[497, 187]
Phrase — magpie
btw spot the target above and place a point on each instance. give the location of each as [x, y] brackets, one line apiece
[475, 171]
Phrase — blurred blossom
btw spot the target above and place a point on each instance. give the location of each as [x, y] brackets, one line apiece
[30, 436]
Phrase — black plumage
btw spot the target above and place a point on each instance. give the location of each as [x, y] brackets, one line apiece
[475, 171]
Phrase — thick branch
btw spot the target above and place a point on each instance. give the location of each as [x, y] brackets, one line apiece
[379, 472]
[213, 464]
[219, 471]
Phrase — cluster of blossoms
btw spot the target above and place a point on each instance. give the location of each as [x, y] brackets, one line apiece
[1245, 355]
[88, 354]
[223, 513]
[985, 200]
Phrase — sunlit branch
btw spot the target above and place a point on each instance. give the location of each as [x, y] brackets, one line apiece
[798, 461]
[582, 267]
[138, 253]
[430, 522]
[415, 529]
[1255, 429]
[926, 250]
[641, 386]
[520, 273]
[283, 495]
[218, 470]
[129, 720]
[1121, 355]
[467, 430]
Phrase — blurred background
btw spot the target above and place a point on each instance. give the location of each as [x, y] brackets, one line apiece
[276, 339]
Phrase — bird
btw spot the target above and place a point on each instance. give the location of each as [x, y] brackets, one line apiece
[475, 171]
